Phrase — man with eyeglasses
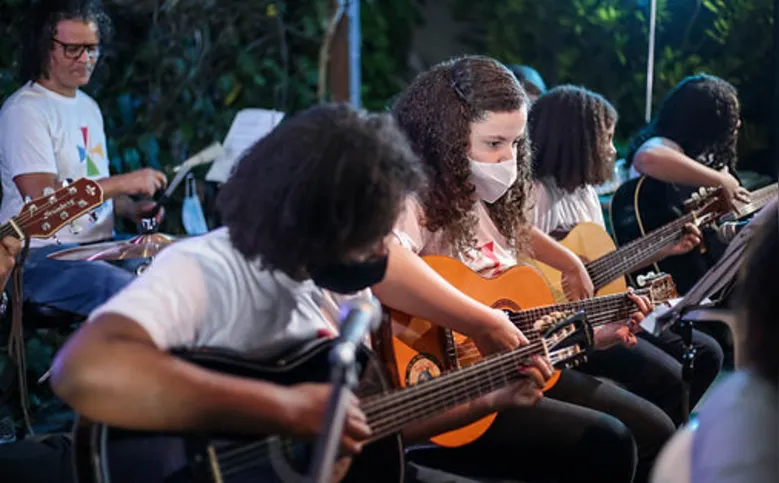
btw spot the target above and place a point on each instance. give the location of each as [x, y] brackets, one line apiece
[51, 131]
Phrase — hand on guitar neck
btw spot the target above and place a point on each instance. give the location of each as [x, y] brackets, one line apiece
[525, 392]
[609, 335]
[734, 192]
[307, 409]
[9, 248]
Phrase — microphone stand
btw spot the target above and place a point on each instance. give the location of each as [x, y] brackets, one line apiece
[359, 317]
[343, 377]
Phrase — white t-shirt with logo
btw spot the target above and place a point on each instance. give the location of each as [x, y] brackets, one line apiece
[201, 292]
[555, 209]
[44, 132]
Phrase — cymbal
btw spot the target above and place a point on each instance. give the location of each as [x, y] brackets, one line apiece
[142, 246]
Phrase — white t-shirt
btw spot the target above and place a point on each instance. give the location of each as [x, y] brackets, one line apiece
[202, 292]
[492, 254]
[634, 173]
[735, 438]
[555, 209]
[44, 132]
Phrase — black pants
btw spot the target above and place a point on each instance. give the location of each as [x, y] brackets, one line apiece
[584, 429]
[653, 368]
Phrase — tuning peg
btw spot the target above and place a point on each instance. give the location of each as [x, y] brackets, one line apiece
[643, 279]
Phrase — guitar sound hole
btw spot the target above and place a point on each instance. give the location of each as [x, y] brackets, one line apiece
[423, 367]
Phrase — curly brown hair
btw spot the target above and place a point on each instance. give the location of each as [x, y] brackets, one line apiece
[568, 127]
[436, 112]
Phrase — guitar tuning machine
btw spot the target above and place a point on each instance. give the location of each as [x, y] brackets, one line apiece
[642, 280]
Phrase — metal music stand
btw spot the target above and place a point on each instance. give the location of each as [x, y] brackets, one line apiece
[693, 307]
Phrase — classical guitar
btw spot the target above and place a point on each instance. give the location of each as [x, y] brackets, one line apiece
[644, 204]
[607, 264]
[108, 455]
[44, 216]
[415, 349]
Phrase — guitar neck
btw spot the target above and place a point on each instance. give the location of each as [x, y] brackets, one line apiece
[600, 310]
[390, 412]
[632, 255]
[758, 199]
[13, 227]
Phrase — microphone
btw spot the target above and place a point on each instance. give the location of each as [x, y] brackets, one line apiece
[728, 230]
[357, 317]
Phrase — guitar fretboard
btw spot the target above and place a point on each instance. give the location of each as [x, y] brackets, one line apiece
[390, 412]
[600, 310]
[635, 253]
[758, 199]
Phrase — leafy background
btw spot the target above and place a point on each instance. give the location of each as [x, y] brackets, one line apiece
[178, 71]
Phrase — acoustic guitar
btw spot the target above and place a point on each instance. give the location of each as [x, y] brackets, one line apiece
[417, 350]
[44, 216]
[104, 454]
[607, 265]
[644, 204]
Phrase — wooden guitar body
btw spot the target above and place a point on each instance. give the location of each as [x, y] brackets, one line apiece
[421, 350]
[591, 242]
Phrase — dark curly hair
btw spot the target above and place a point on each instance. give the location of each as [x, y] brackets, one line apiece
[324, 183]
[757, 301]
[700, 114]
[568, 127]
[41, 30]
[436, 111]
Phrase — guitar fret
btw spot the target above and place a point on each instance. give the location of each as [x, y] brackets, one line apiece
[397, 408]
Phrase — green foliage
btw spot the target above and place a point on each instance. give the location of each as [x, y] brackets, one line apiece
[178, 71]
[602, 44]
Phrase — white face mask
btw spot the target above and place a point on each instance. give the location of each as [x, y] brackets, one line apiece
[492, 180]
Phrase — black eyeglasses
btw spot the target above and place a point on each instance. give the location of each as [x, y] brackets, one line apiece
[74, 51]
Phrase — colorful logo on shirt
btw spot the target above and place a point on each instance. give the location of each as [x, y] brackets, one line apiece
[86, 153]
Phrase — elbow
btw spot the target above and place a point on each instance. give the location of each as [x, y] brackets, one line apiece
[73, 379]
[646, 162]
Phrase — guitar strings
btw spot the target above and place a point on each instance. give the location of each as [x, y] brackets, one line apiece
[609, 311]
[394, 403]
[390, 405]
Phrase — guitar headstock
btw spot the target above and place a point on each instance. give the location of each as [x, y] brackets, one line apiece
[42, 217]
[569, 334]
[708, 204]
[662, 288]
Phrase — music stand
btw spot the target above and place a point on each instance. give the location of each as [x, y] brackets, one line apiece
[693, 307]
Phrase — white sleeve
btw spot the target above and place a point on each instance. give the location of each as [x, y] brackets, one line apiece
[673, 463]
[408, 230]
[542, 209]
[596, 212]
[170, 299]
[26, 141]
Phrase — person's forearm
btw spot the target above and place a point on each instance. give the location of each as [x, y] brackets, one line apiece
[546, 250]
[112, 187]
[447, 421]
[413, 287]
[134, 385]
[669, 165]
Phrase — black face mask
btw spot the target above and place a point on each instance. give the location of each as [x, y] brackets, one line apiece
[350, 277]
